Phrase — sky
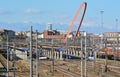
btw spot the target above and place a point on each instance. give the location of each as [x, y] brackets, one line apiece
[19, 15]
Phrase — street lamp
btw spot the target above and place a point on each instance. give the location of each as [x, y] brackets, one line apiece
[116, 24]
[102, 18]
[117, 41]
[101, 26]
[102, 37]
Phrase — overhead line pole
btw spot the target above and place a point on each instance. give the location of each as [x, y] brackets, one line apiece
[14, 60]
[53, 54]
[85, 35]
[37, 55]
[7, 58]
[81, 58]
[31, 64]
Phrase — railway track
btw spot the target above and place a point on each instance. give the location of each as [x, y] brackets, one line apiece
[63, 70]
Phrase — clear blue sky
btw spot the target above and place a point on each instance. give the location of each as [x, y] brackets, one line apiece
[59, 13]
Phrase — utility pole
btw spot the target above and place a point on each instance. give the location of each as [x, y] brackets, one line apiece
[94, 52]
[14, 54]
[7, 58]
[53, 56]
[114, 52]
[106, 55]
[85, 35]
[37, 55]
[31, 64]
[81, 58]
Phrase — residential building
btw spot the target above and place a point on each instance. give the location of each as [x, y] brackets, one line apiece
[52, 34]
[4, 33]
[111, 36]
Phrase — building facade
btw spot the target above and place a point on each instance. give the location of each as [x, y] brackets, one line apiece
[4, 33]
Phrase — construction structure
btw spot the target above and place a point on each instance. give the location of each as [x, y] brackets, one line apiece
[84, 4]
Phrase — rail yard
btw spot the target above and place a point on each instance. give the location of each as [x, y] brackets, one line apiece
[61, 61]
[59, 53]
